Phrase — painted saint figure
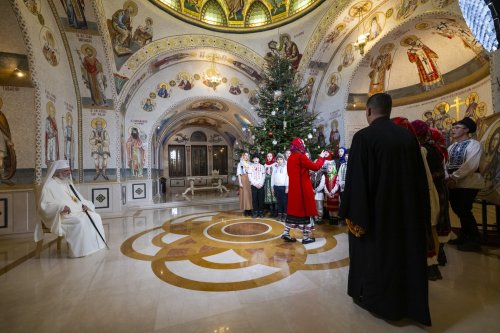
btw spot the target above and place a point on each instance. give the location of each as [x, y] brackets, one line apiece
[290, 50]
[144, 33]
[135, 153]
[92, 73]
[75, 10]
[425, 59]
[51, 135]
[380, 66]
[8, 160]
[69, 140]
[99, 143]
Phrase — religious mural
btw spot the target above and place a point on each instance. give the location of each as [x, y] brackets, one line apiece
[338, 31]
[51, 134]
[49, 47]
[380, 66]
[426, 61]
[207, 105]
[333, 84]
[75, 15]
[8, 161]
[489, 136]
[93, 76]
[405, 9]
[234, 86]
[148, 104]
[136, 154]
[185, 81]
[163, 91]
[69, 139]
[375, 25]
[99, 145]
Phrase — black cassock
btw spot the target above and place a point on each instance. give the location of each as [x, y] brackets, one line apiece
[386, 193]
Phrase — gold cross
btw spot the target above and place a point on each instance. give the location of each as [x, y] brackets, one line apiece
[457, 106]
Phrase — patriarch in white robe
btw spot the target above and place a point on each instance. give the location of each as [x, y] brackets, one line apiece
[65, 213]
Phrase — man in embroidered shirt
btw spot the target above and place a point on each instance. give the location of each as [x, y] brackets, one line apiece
[464, 181]
[64, 211]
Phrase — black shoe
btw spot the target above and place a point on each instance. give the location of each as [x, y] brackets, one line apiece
[442, 260]
[288, 238]
[469, 247]
[278, 218]
[283, 218]
[254, 214]
[433, 273]
[261, 214]
[308, 240]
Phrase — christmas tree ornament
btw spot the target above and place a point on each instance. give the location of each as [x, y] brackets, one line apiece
[273, 113]
[270, 134]
[275, 142]
[277, 94]
[309, 136]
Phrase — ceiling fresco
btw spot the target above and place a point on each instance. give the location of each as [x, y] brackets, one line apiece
[237, 15]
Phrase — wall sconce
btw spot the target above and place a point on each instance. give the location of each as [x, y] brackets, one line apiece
[18, 73]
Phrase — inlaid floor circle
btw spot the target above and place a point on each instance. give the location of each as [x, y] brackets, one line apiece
[224, 251]
[246, 229]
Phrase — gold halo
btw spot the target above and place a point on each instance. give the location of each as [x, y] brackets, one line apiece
[335, 121]
[95, 120]
[446, 107]
[472, 95]
[132, 4]
[423, 114]
[130, 129]
[163, 83]
[69, 116]
[51, 108]
[404, 41]
[481, 110]
[387, 48]
[84, 47]
[422, 26]
[235, 81]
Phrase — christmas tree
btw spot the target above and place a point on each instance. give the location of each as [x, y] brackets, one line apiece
[282, 108]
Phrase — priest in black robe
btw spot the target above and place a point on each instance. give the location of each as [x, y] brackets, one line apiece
[386, 202]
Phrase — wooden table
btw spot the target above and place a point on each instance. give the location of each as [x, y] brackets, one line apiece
[217, 186]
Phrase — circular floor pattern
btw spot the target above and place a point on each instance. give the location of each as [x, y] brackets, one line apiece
[224, 251]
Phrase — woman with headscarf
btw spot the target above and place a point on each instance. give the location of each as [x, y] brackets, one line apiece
[242, 171]
[301, 203]
[433, 142]
[433, 272]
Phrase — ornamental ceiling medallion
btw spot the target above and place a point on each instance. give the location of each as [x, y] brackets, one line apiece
[239, 16]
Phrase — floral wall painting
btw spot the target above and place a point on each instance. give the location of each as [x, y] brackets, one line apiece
[405, 9]
[148, 104]
[426, 61]
[163, 90]
[93, 77]
[184, 81]
[49, 47]
[51, 135]
[380, 67]
[99, 147]
[333, 84]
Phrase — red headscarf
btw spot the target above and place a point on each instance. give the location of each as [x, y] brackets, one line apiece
[439, 141]
[272, 161]
[297, 145]
[404, 122]
[422, 130]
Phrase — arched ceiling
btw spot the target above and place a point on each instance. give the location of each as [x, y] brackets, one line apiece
[238, 16]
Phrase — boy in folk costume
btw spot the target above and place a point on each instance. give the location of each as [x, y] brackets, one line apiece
[256, 177]
[279, 185]
[332, 188]
[318, 183]
[269, 198]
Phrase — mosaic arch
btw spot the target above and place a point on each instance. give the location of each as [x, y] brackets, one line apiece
[241, 16]
[223, 251]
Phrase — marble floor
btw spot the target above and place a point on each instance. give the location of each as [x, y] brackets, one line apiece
[206, 268]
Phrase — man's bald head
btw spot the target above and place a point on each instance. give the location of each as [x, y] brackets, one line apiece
[378, 105]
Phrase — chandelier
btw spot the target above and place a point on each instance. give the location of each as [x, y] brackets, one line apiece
[213, 76]
[362, 38]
